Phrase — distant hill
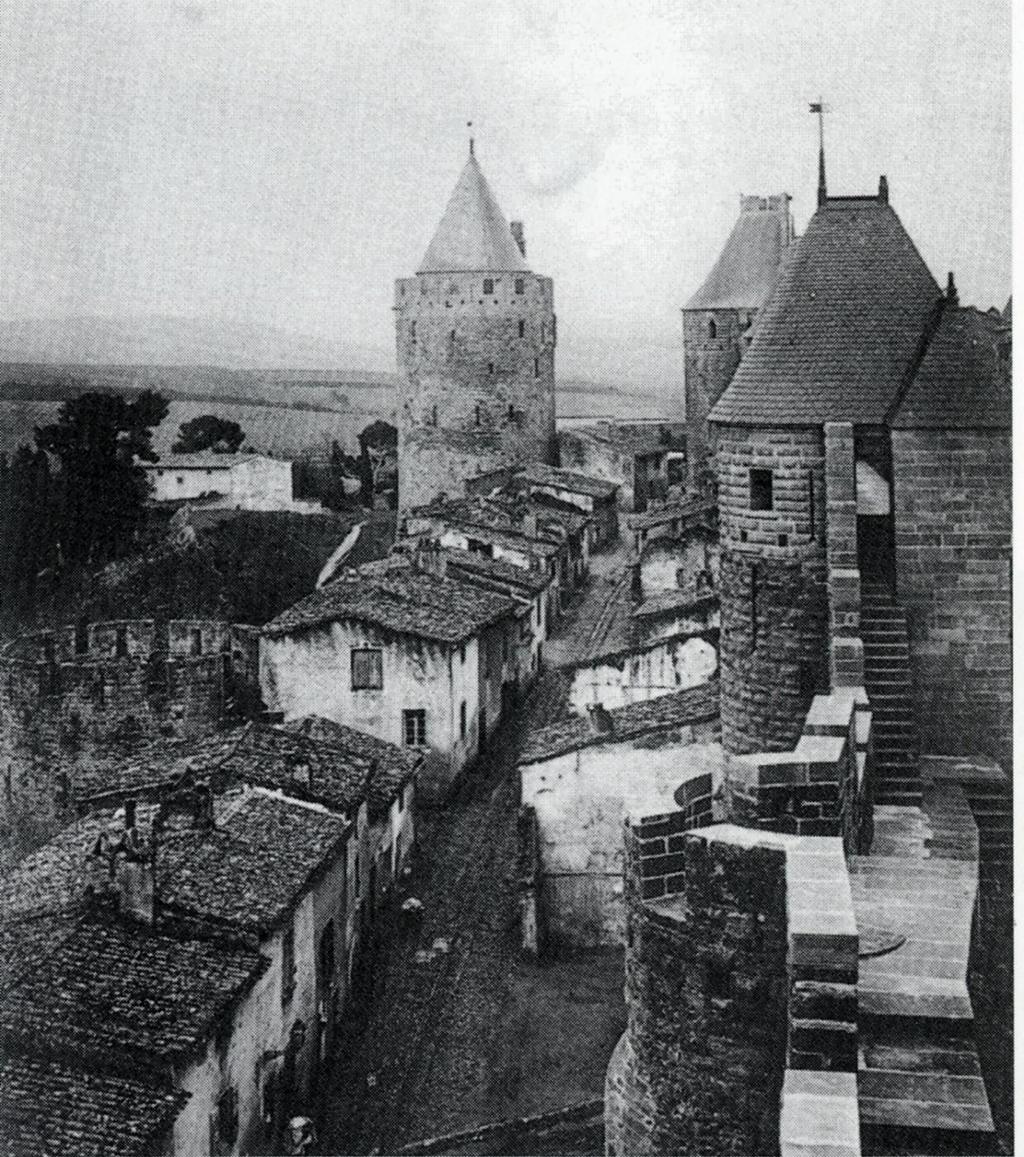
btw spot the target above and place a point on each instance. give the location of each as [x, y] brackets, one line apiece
[147, 340]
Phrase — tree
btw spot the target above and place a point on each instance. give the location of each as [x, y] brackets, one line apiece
[209, 432]
[99, 439]
[378, 457]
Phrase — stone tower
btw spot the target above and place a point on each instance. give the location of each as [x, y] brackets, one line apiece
[718, 320]
[476, 351]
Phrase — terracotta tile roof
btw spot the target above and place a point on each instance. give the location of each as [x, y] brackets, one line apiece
[694, 705]
[841, 333]
[396, 597]
[388, 766]
[113, 990]
[280, 758]
[571, 480]
[473, 234]
[252, 867]
[748, 267]
[961, 383]
[503, 514]
[47, 1108]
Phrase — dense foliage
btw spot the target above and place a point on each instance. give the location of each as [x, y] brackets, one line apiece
[209, 432]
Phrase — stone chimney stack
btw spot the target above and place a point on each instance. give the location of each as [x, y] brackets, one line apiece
[121, 870]
[516, 229]
[883, 189]
[429, 557]
[952, 296]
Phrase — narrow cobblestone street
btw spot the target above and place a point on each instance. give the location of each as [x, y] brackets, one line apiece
[459, 1030]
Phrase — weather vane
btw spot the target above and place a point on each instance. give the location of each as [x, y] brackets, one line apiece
[820, 107]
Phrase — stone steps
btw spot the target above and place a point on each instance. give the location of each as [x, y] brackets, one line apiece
[887, 675]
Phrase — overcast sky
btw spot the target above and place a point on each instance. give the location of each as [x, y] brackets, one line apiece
[283, 163]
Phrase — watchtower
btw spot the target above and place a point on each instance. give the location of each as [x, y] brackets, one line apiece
[475, 332]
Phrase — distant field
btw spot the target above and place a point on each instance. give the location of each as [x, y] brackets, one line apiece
[284, 413]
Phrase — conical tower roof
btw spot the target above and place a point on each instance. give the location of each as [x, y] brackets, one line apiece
[473, 234]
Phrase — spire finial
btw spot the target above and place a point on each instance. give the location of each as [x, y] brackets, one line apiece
[821, 108]
[469, 125]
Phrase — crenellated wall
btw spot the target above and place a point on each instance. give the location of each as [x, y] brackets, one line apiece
[75, 698]
[478, 379]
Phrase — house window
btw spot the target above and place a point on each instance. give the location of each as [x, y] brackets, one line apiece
[760, 490]
[196, 641]
[326, 956]
[520, 286]
[181, 479]
[522, 329]
[477, 414]
[488, 287]
[810, 503]
[712, 328]
[121, 644]
[367, 669]
[462, 719]
[227, 1117]
[414, 727]
[287, 963]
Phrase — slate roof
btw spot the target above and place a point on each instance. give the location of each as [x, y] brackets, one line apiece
[250, 869]
[110, 989]
[397, 597]
[389, 766]
[539, 473]
[473, 234]
[694, 705]
[960, 383]
[748, 267]
[840, 335]
[48, 1108]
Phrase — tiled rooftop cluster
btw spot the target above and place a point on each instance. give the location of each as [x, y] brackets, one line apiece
[98, 1003]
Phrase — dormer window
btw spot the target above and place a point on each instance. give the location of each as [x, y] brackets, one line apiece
[761, 497]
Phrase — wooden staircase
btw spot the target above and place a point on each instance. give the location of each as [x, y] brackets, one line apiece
[883, 627]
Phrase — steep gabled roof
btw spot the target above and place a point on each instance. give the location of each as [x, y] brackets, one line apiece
[473, 234]
[961, 383]
[748, 267]
[842, 332]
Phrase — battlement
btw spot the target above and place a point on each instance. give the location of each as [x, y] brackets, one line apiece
[130, 640]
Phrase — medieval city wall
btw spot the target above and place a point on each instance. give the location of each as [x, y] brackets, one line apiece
[700, 1066]
[74, 698]
[953, 556]
[478, 378]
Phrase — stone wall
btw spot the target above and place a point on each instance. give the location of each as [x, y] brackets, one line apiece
[772, 585]
[700, 1067]
[72, 699]
[953, 558]
[478, 382]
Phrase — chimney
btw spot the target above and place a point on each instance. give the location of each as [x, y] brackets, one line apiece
[883, 189]
[516, 229]
[430, 558]
[601, 721]
[951, 294]
[134, 871]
